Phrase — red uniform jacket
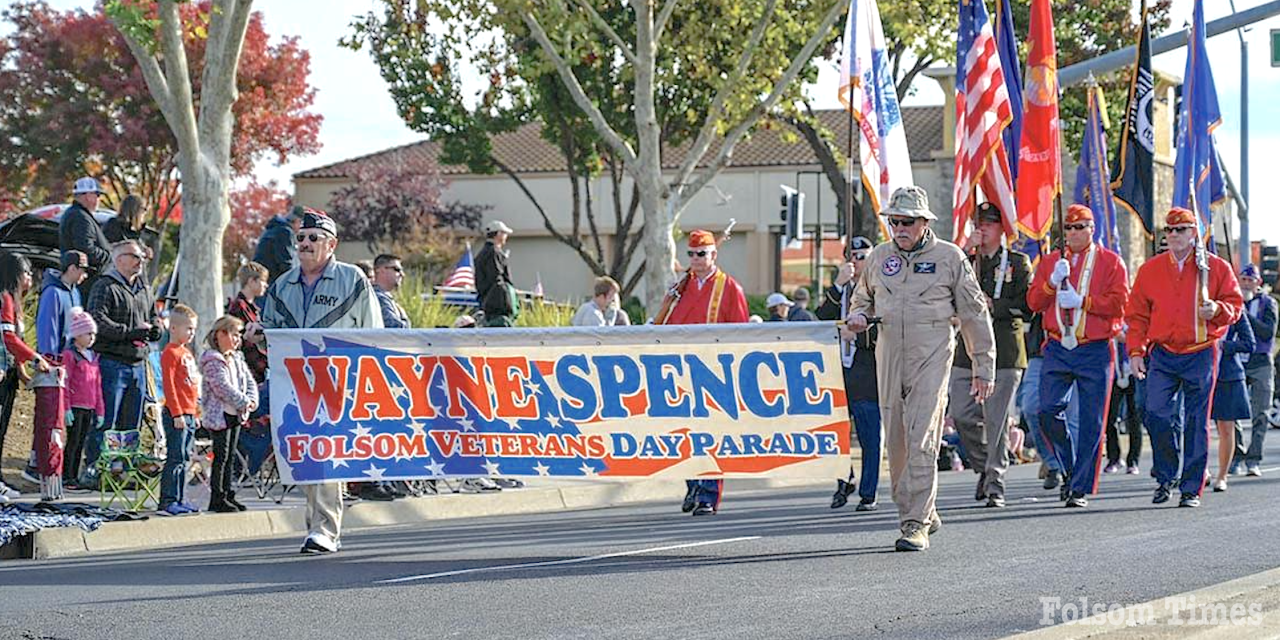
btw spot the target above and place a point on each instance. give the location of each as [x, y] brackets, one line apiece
[720, 291]
[1104, 303]
[11, 327]
[1162, 309]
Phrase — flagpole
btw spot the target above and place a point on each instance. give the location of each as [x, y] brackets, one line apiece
[853, 225]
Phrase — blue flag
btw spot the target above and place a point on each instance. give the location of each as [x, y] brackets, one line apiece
[1093, 179]
[1007, 46]
[1196, 172]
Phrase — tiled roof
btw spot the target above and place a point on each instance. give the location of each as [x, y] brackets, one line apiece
[525, 151]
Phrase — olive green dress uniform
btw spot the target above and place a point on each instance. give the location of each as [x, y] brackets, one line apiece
[984, 429]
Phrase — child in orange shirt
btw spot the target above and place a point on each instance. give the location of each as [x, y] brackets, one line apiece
[181, 377]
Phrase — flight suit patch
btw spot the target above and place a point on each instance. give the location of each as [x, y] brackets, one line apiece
[892, 265]
[926, 267]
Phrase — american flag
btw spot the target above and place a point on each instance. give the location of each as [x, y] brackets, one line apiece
[983, 112]
[464, 273]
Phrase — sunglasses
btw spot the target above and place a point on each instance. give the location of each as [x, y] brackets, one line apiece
[700, 254]
[859, 256]
[395, 269]
[1172, 230]
[314, 237]
[139, 256]
[1075, 227]
[903, 222]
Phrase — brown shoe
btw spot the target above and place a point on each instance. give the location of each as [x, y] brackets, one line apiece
[915, 537]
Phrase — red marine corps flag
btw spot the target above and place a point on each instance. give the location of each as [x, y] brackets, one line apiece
[1040, 158]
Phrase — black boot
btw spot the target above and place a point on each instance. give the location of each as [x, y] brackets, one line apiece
[231, 500]
[844, 489]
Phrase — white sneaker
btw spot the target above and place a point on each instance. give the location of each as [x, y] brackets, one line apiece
[1219, 486]
[318, 543]
[8, 493]
[1253, 470]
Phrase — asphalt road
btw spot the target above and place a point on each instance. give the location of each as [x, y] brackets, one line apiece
[777, 564]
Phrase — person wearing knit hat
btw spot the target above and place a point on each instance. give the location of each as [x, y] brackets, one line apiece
[1081, 291]
[704, 295]
[1261, 309]
[1183, 303]
[84, 393]
[915, 284]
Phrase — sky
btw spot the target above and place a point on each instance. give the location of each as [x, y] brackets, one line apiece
[360, 116]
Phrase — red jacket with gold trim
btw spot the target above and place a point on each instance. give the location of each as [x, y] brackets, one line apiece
[1104, 302]
[1163, 307]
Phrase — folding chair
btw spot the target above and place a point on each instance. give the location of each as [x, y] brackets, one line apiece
[123, 467]
[255, 460]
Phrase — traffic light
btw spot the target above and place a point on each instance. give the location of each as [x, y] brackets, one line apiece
[792, 214]
[1270, 265]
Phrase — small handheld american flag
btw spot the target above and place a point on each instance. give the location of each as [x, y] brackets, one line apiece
[464, 273]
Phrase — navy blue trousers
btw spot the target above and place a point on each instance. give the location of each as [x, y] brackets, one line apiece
[1192, 375]
[1090, 368]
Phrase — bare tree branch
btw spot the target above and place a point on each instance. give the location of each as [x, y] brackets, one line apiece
[663, 16]
[571, 242]
[708, 132]
[610, 136]
[739, 132]
[608, 31]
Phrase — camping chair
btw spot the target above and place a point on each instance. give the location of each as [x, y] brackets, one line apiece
[255, 460]
[124, 466]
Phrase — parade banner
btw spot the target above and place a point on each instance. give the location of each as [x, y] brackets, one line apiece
[703, 401]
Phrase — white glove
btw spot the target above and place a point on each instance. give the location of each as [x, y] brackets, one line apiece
[1069, 299]
[1060, 272]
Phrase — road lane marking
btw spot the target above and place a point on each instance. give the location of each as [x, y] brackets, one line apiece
[550, 563]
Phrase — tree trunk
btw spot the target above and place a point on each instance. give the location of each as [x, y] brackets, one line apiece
[206, 211]
[659, 245]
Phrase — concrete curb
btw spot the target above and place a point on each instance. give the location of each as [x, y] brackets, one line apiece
[159, 532]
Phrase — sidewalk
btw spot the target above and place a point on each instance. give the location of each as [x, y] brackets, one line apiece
[265, 518]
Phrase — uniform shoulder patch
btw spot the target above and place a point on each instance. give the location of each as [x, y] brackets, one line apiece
[891, 266]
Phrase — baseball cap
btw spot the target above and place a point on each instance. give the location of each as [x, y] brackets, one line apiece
[86, 185]
[496, 226]
[75, 258]
[776, 299]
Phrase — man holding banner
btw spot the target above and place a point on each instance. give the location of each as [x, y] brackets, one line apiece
[704, 295]
[915, 284]
[1081, 290]
[321, 293]
[1183, 303]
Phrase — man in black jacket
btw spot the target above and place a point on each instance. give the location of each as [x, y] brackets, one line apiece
[122, 304]
[858, 359]
[277, 248]
[80, 231]
[493, 278]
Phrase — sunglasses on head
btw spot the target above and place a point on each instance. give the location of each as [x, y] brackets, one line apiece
[902, 222]
[314, 237]
[1075, 227]
[701, 253]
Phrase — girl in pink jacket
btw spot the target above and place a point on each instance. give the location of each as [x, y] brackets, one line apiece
[228, 395]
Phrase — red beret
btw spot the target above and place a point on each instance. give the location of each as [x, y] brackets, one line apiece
[1078, 213]
[1179, 217]
[700, 238]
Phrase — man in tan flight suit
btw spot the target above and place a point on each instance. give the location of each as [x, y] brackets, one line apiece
[915, 284]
